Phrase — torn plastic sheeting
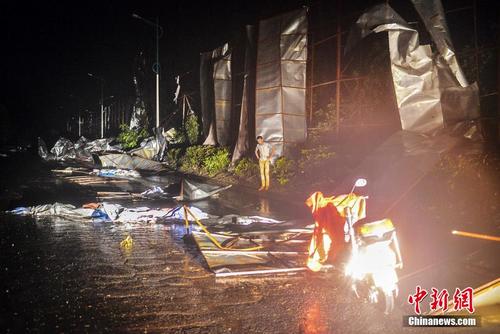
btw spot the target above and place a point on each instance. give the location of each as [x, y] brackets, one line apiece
[54, 210]
[432, 14]
[63, 150]
[124, 161]
[427, 93]
[195, 191]
[247, 220]
[85, 147]
[279, 255]
[102, 145]
[154, 192]
[146, 215]
[178, 213]
[152, 148]
[108, 212]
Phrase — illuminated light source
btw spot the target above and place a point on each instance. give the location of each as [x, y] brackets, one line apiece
[377, 228]
[475, 235]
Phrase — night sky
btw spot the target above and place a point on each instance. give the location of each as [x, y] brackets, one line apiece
[49, 47]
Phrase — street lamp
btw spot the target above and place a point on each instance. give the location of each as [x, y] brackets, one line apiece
[101, 100]
[156, 65]
[80, 122]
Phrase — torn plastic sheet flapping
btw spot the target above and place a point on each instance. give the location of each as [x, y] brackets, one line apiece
[215, 86]
[125, 161]
[195, 191]
[427, 92]
[152, 148]
[280, 112]
[432, 13]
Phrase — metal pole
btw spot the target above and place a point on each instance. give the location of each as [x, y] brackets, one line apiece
[476, 235]
[311, 83]
[339, 46]
[79, 125]
[157, 73]
[476, 49]
[102, 109]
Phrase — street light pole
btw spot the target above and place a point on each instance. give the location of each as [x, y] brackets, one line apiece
[79, 125]
[101, 100]
[156, 65]
[157, 74]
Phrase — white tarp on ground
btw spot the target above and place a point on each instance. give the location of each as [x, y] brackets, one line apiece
[108, 212]
[195, 191]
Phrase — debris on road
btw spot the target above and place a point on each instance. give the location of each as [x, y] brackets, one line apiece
[107, 212]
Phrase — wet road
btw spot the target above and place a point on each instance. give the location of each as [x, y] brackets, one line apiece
[62, 276]
[70, 277]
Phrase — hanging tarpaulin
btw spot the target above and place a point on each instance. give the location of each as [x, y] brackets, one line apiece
[215, 86]
[281, 80]
[207, 98]
[426, 90]
[432, 13]
[460, 101]
[415, 80]
[247, 109]
[222, 93]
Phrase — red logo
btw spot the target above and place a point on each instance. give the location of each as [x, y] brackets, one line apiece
[417, 298]
[462, 299]
[439, 299]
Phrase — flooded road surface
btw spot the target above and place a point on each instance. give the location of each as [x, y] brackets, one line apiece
[72, 277]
